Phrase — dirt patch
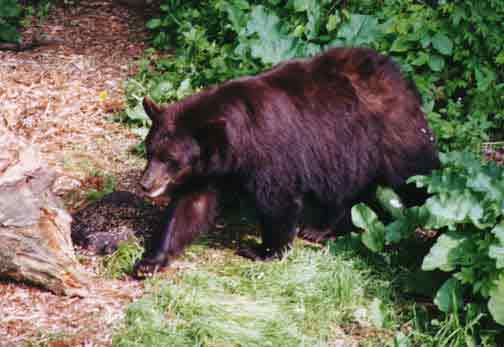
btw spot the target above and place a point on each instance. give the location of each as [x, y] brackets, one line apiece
[62, 97]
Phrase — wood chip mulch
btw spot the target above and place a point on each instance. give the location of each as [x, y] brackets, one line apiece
[62, 96]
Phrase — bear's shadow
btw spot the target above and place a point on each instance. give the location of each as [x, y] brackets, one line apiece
[102, 225]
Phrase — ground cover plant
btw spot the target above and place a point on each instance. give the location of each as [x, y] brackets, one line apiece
[466, 208]
[454, 52]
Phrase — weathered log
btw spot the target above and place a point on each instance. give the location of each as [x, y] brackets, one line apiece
[35, 243]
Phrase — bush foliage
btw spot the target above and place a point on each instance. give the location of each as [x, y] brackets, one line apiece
[467, 208]
[453, 50]
[10, 16]
[15, 14]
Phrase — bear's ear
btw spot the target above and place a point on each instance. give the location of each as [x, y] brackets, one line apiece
[152, 109]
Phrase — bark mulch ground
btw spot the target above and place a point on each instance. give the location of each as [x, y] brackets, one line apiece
[62, 96]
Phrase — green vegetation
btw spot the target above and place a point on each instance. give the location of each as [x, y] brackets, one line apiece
[13, 16]
[233, 302]
[313, 297]
[466, 208]
[121, 262]
[453, 51]
[10, 17]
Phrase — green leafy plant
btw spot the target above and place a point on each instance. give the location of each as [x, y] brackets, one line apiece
[122, 261]
[467, 209]
[453, 51]
[10, 16]
[14, 16]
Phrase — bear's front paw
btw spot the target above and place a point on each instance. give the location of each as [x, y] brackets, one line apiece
[148, 266]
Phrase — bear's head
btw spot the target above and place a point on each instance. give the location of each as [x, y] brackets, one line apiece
[172, 153]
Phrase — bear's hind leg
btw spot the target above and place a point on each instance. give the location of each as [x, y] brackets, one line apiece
[336, 225]
[278, 231]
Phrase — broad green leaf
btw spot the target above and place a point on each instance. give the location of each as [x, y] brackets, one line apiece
[363, 217]
[236, 15]
[482, 182]
[374, 235]
[426, 41]
[314, 18]
[272, 46]
[421, 59]
[360, 30]
[390, 201]
[137, 114]
[161, 89]
[400, 45]
[445, 254]
[455, 207]
[497, 251]
[484, 78]
[442, 43]
[298, 31]
[457, 15]
[407, 223]
[449, 296]
[496, 302]
[153, 23]
[300, 5]
[436, 62]
[500, 58]
[397, 231]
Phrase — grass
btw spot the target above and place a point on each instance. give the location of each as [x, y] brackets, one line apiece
[225, 300]
[315, 297]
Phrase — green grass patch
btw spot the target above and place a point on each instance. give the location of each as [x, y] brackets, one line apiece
[298, 301]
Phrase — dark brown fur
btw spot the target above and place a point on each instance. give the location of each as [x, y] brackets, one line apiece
[322, 131]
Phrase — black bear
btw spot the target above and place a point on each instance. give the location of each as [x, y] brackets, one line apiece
[323, 132]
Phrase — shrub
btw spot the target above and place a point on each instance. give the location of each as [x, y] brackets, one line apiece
[454, 51]
[467, 211]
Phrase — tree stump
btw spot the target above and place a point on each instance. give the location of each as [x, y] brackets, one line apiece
[35, 243]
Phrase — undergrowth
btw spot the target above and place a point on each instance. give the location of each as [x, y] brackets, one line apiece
[453, 50]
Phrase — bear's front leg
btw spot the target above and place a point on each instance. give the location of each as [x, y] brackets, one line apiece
[278, 230]
[188, 217]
